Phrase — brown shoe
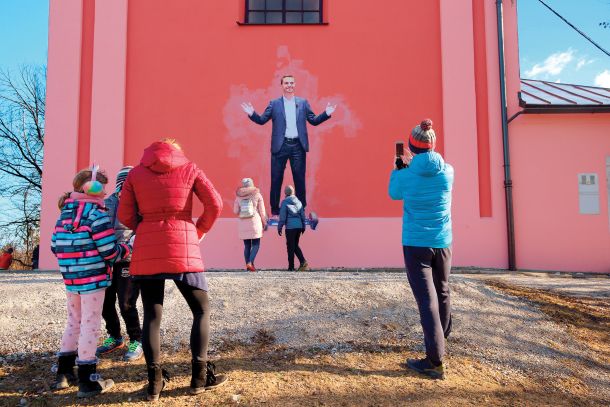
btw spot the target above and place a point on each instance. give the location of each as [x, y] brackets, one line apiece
[204, 377]
[157, 379]
[304, 266]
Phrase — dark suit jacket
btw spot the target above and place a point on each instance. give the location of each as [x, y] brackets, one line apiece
[275, 111]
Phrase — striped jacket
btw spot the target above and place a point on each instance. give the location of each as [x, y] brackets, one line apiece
[85, 246]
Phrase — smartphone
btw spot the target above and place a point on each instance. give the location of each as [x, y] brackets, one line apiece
[400, 149]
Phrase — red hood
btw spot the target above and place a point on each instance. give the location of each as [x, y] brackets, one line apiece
[162, 157]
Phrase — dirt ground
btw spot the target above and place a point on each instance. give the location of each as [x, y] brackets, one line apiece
[264, 369]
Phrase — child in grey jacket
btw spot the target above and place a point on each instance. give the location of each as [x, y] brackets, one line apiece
[292, 215]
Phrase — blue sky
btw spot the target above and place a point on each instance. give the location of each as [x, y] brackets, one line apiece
[23, 41]
[551, 50]
[23, 32]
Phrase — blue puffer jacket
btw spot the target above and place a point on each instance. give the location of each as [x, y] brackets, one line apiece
[425, 187]
[292, 213]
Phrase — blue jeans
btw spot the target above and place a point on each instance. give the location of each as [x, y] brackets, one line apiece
[251, 247]
[293, 151]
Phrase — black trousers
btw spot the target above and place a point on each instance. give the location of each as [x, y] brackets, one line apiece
[292, 245]
[127, 291]
[152, 299]
[293, 151]
[428, 273]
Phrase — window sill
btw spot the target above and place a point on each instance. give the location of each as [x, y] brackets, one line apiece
[241, 23]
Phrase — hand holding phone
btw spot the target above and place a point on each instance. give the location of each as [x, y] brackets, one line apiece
[400, 151]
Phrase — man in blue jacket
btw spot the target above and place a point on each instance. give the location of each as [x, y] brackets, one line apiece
[289, 140]
[425, 186]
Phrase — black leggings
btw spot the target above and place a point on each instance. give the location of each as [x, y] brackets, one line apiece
[152, 299]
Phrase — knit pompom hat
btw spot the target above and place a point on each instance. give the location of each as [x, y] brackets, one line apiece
[121, 177]
[247, 182]
[422, 138]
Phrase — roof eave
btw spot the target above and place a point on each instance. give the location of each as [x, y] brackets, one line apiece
[554, 109]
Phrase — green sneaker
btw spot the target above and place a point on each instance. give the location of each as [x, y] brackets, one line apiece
[425, 367]
[110, 345]
[134, 351]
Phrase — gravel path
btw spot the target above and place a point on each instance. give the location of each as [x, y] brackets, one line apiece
[334, 311]
[572, 284]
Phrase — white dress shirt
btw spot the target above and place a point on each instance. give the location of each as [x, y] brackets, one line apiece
[290, 109]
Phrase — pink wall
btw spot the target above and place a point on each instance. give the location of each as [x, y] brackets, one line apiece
[63, 93]
[81, 116]
[203, 65]
[108, 90]
[199, 90]
[478, 241]
[549, 151]
[341, 62]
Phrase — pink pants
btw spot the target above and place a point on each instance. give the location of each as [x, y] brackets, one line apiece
[83, 326]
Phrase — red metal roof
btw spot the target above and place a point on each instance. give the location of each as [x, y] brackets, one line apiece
[535, 93]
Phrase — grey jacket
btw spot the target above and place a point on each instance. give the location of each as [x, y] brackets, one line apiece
[121, 232]
[276, 112]
[292, 213]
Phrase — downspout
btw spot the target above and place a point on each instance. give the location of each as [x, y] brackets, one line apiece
[508, 183]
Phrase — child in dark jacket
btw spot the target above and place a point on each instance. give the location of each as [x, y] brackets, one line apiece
[292, 215]
[85, 246]
[123, 287]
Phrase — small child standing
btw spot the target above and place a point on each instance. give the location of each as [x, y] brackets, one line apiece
[292, 215]
[85, 246]
[123, 287]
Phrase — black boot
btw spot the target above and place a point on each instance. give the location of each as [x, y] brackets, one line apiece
[90, 383]
[157, 378]
[204, 377]
[66, 372]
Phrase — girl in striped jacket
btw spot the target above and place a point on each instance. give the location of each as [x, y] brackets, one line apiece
[85, 246]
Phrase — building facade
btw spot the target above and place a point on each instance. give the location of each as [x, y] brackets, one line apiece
[125, 73]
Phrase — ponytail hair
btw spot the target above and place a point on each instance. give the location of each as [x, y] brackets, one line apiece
[62, 199]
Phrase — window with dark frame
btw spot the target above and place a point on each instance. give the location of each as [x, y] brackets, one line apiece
[283, 12]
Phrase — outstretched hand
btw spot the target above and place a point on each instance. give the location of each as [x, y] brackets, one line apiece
[248, 108]
[330, 109]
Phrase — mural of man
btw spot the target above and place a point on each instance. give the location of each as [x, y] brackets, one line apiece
[289, 139]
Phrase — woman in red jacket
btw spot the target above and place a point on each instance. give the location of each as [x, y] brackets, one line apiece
[157, 202]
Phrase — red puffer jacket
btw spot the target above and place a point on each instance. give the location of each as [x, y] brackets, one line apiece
[157, 202]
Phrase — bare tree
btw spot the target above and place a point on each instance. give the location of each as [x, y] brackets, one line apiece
[22, 120]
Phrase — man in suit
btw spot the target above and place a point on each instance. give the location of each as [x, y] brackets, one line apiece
[289, 140]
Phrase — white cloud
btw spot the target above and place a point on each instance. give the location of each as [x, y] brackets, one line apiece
[583, 62]
[603, 79]
[552, 65]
